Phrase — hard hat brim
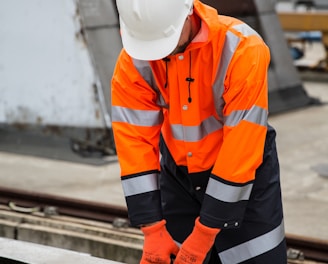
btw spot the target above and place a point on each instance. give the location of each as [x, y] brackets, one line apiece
[149, 49]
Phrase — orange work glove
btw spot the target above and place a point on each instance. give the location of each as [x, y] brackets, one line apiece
[158, 244]
[195, 248]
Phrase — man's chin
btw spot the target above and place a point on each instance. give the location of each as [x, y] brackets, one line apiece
[180, 49]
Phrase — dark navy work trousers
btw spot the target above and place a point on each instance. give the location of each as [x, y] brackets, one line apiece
[182, 196]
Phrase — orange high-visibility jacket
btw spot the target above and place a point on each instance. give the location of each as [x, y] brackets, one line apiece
[210, 105]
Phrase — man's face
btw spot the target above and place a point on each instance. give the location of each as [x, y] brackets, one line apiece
[185, 37]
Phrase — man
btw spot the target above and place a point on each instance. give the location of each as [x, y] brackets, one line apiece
[192, 85]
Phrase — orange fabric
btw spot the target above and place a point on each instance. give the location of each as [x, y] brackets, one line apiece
[130, 90]
[158, 244]
[197, 245]
[235, 152]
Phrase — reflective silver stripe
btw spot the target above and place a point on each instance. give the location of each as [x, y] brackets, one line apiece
[255, 115]
[137, 117]
[178, 243]
[246, 30]
[196, 133]
[140, 184]
[227, 193]
[146, 72]
[230, 45]
[254, 247]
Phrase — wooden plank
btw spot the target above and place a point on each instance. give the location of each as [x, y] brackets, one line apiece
[304, 21]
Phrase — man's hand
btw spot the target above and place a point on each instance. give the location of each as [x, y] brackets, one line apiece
[195, 248]
[158, 244]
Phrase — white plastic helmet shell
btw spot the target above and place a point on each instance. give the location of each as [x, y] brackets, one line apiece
[150, 29]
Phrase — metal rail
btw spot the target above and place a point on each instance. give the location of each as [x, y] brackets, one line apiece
[25, 202]
[310, 248]
[29, 202]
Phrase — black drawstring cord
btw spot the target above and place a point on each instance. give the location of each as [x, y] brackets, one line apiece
[189, 79]
[166, 72]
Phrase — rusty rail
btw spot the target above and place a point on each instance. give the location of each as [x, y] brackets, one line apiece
[26, 201]
[312, 248]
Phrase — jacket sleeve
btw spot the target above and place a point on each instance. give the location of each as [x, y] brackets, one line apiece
[244, 131]
[136, 122]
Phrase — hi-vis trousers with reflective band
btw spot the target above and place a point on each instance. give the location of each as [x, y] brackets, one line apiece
[260, 238]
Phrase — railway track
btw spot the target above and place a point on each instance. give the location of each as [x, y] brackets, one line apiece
[28, 202]
[300, 249]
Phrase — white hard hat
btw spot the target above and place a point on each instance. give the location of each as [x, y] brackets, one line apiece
[151, 29]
